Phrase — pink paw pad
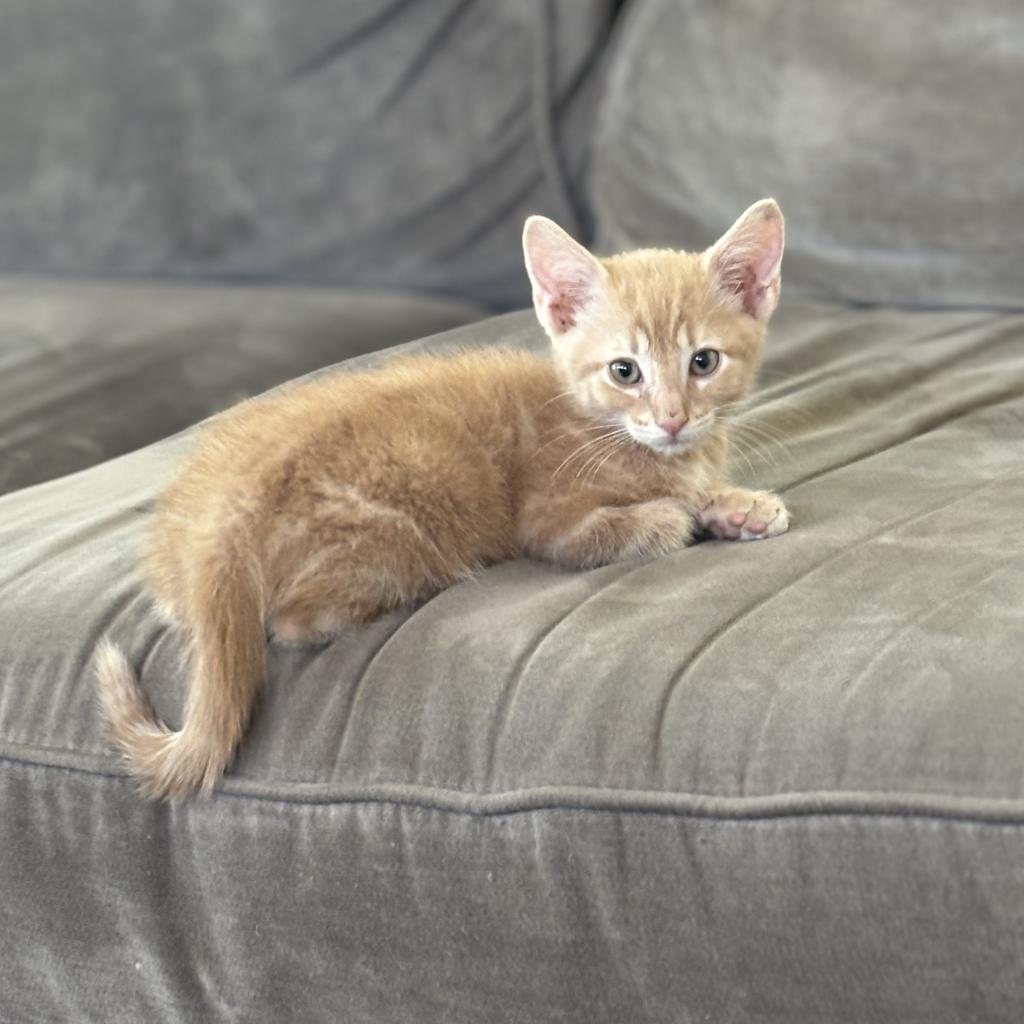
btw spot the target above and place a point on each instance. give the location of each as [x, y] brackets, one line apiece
[759, 515]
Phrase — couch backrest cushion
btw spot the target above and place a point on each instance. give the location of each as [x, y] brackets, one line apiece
[369, 142]
[892, 135]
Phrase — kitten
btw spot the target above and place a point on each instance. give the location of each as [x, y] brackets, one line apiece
[325, 504]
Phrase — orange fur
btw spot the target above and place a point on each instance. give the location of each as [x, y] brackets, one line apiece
[328, 503]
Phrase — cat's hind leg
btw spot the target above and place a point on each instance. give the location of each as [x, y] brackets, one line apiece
[352, 552]
[341, 595]
[373, 570]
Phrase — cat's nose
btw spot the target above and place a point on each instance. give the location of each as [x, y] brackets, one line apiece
[673, 424]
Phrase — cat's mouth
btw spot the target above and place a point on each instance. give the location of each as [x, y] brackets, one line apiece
[664, 444]
[670, 446]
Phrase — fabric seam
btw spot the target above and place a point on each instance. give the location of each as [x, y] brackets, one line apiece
[774, 807]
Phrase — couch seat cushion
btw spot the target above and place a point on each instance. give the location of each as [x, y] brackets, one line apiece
[728, 784]
[92, 370]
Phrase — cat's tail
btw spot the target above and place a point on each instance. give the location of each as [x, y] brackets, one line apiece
[228, 666]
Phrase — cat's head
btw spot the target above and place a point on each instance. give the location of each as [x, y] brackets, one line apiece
[658, 341]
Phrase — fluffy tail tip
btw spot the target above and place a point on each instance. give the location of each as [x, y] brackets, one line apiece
[124, 704]
[163, 763]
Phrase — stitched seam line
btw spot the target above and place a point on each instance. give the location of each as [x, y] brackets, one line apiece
[923, 806]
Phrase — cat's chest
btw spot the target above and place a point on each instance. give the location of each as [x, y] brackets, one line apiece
[688, 480]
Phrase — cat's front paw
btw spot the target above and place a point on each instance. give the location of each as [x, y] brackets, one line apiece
[738, 514]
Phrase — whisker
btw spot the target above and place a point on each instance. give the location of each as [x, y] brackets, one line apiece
[615, 440]
[578, 451]
[765, 433]
[609, 437]
[754, 439]
[617, 444]
[787, 407]
[757, 448]
[735, 445]
[570, 433]
[746, 447]
[762, 431]
[562, 394]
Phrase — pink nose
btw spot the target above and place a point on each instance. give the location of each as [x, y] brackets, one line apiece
[673, 424]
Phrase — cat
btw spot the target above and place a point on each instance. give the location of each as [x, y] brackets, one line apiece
[327, 503]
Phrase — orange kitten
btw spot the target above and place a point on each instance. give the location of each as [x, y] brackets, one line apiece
[328, 503]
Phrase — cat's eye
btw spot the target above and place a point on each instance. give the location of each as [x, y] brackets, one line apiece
[625, 371]
[704, 363]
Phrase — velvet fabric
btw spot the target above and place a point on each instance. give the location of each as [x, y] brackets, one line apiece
[889, 133]
[778, 781]
[93, 369]
[373, 143]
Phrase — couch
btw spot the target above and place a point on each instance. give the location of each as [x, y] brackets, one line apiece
[778, 782]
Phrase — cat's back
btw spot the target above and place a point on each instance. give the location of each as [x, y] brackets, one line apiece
[420, 382]
[460, 376]
[481, 388]
[479, 394]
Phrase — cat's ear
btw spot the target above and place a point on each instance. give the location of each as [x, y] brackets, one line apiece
[747, 260]
[566, 279]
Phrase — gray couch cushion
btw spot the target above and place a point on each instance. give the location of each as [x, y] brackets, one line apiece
[90, 371]
[385, 143]
[774, 782]
[890, 133]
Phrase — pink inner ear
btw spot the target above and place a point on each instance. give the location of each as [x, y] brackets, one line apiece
[564, 274]
[749, 281]
[748, 263]
[564, 298]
